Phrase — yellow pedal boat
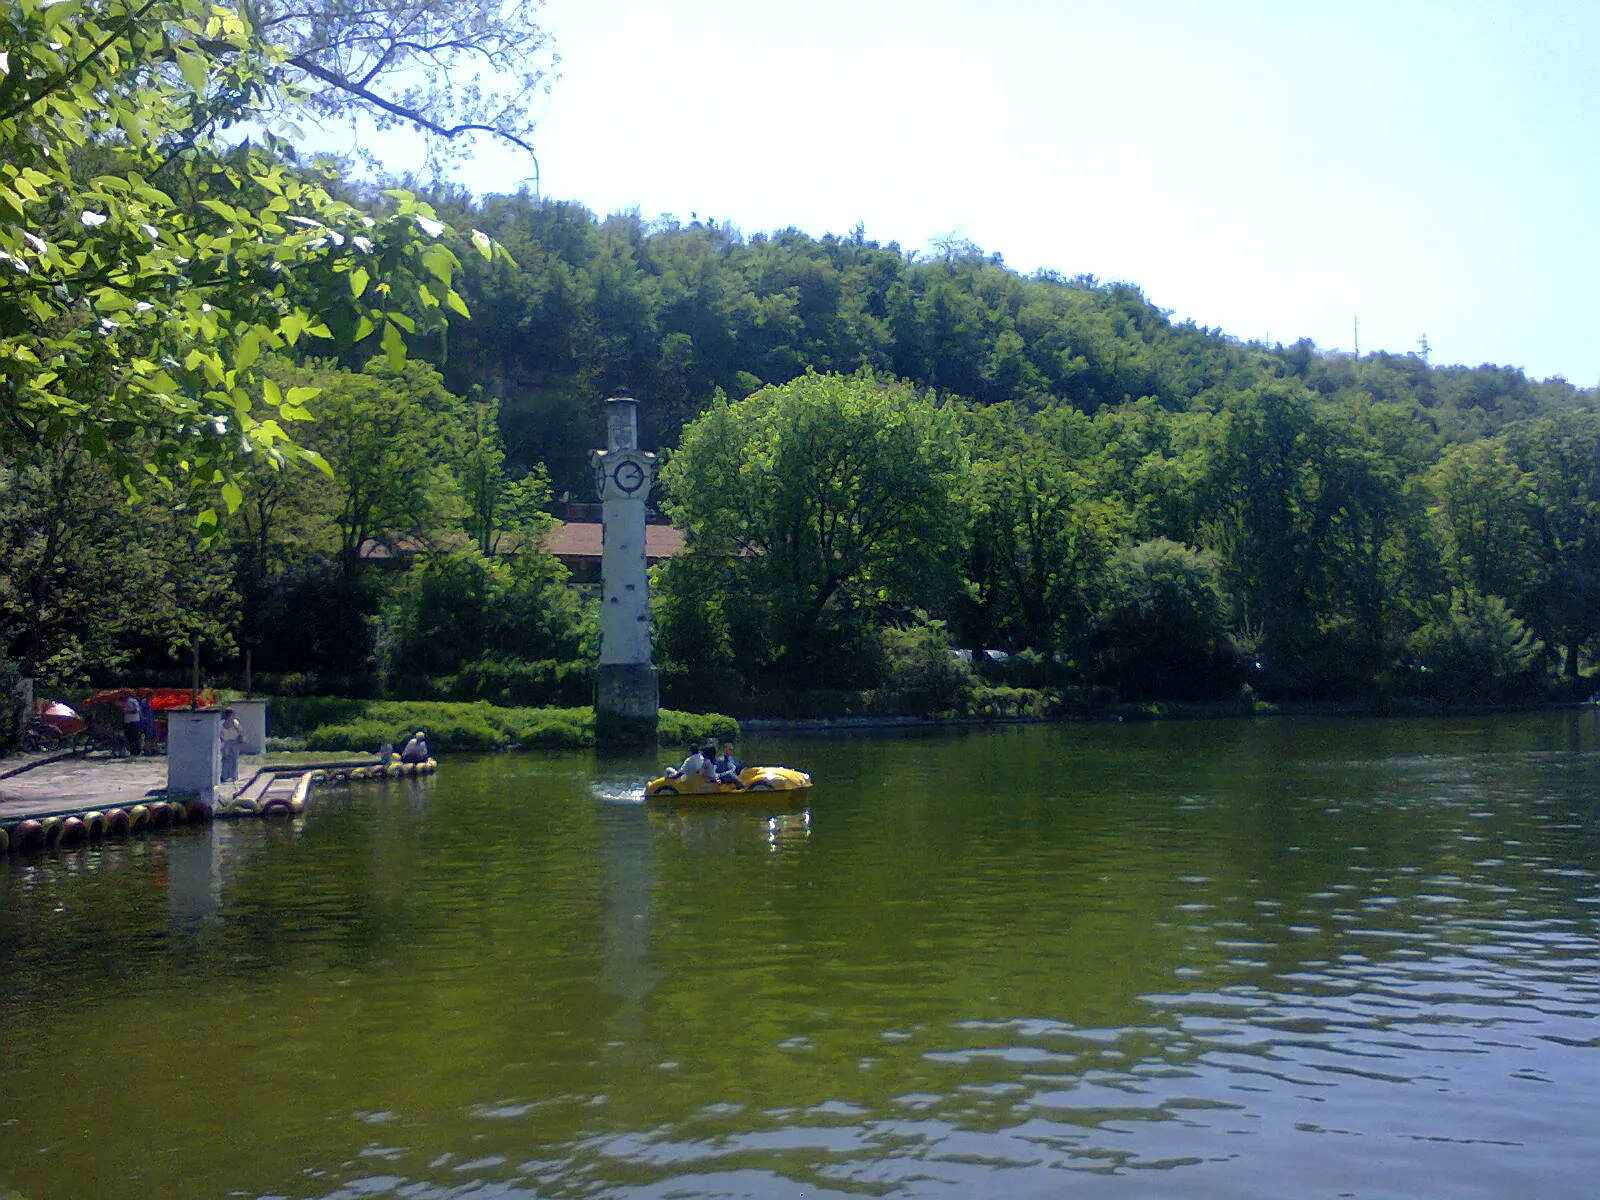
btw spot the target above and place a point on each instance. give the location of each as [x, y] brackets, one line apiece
[758, 782]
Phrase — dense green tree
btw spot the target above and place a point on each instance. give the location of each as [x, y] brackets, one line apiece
[462, 609]
[1477, 649]
[497, 504]
[145, 267]
[1560, 457]
[390, 435]
[1131, 452]
[829, 498]
[1041, 536]
[675, 311]
[1310, 515]
[1374, 539]
[1160, 631]
[923, 672]
[1258, 461]
[1485, 507]
[313, 626]
[89, 580]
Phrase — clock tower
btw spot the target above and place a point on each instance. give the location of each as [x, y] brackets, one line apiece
[627, 694]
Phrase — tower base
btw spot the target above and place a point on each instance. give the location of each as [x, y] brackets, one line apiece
[627, 701]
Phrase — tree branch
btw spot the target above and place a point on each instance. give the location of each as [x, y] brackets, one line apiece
[405, 112]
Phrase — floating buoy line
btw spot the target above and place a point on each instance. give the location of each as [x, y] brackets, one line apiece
[272, 793]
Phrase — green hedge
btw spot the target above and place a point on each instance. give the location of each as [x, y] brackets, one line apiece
[299, 715]
[992, 703]
[336, 723]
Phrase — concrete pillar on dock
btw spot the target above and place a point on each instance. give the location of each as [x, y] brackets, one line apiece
[627, 691]
[252, 716]
[194, 751]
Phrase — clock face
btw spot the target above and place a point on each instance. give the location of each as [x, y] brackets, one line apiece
[629, 477]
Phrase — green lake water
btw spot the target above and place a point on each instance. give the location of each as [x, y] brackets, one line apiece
[1287, 958]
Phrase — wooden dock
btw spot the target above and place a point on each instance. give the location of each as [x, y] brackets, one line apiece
[271, 793]
[87, 802]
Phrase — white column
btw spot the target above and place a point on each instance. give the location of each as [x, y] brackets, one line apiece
[252, 716]
[194, 751]
[625, 684]
[625, 585]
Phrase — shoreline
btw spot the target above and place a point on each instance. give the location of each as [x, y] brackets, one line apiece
[1162, 711]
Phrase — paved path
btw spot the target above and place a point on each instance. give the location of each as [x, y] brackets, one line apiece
[92, 781]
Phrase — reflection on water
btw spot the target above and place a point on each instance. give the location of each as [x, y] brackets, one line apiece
[1286, 958]
[194, 889]
[630, 878]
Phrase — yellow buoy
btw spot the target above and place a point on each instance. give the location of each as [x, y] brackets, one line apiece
[27, 834]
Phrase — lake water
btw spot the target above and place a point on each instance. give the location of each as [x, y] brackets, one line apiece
[1276, 959]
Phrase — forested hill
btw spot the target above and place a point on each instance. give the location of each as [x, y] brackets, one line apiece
[674, 312]
[924, 452]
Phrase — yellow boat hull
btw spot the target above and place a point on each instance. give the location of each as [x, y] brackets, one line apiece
[759, 782]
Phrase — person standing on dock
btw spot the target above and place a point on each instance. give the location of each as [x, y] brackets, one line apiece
[132, 724]
[147, 722]
[232, 736]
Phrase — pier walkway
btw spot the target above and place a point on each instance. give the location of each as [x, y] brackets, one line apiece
[40, 785]
[67, 795]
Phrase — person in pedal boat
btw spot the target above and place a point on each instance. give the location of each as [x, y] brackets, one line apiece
[727, 766]
[698, 765]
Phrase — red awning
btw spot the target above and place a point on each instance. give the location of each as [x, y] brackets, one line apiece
[160, 698]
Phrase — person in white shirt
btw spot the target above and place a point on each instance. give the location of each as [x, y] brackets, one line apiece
[696, 765]
[232, 744]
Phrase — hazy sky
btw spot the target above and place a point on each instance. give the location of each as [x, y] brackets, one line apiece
[1274, 169]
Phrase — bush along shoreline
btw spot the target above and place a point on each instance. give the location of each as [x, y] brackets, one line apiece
[339, 723]
[329, 723]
